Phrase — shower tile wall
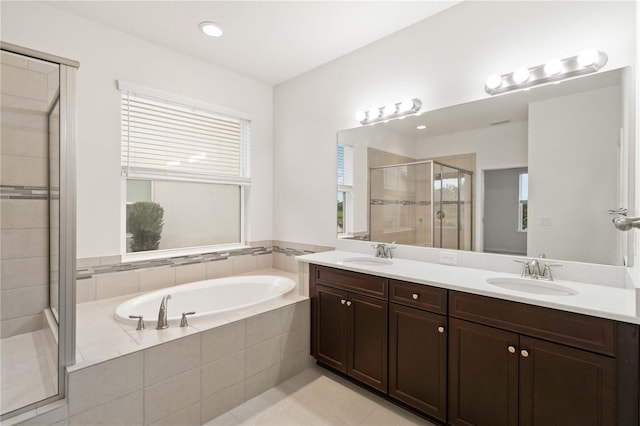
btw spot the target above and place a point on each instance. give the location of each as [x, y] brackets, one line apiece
[26, 90]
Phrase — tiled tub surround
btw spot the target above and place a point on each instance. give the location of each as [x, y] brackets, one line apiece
[105, 277]
[184, 376]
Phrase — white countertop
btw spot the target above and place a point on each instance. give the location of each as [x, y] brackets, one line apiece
[591, 299]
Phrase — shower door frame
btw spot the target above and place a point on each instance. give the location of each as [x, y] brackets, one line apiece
[67, 239]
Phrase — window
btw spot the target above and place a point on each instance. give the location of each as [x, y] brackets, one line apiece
[345, 189]
[185, 173]
[523, 200]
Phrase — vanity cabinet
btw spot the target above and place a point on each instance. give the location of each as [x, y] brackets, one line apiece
[350, 330]
[561, 372]
[418, 347]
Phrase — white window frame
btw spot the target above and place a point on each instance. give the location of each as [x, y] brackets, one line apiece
[347, 208]
[243, 183]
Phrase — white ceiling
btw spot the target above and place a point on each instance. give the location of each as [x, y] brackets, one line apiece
[270, 41]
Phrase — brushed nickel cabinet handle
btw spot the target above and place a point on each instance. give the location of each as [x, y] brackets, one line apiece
[343, 301]
[511, 349]
[524, 353]
[441, 329]
[415, 296]
[348, 303]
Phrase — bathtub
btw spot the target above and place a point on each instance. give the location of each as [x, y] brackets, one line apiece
[207, 298]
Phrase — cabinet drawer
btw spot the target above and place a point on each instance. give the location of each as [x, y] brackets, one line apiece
[353, 281]
[580, 331]
[418, 296]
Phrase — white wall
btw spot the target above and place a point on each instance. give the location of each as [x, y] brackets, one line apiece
[106, 55]
[573, 176]
[443, 60]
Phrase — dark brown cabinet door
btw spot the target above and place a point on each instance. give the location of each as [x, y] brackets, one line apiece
[418, 359]
[483, 375]
[331, 327]
[367, 340]
[565, 386]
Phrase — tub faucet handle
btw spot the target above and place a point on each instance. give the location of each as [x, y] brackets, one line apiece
[183, 321]
[140, 321]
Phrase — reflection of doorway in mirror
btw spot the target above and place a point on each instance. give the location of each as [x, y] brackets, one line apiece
[505, 207]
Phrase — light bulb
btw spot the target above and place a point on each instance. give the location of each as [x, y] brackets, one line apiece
[521, 75]
[361, 116]
[406, 105]
[588, 57]
[553, 67]
[389, 110]
[494, 81]
[211, 29]
[373, 113]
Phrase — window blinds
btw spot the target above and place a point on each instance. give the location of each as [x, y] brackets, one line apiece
[345, 165]
[161, 139]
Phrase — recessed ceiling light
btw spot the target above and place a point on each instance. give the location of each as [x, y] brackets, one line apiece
[421, 127]
[210, 28]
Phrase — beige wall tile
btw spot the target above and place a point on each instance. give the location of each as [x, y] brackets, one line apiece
[189, 416]
[219, 268]
[23, 302]
[117, 284]
[221, 402]
[87, 262]
[20, 243]
[191, 273]
[122, 412]
[20, 325]
[170, 396]
[294, 342]
[262, 381]
[222, 341]
[262, 356]
[110, 260]
[157, 278]
[24, 142]
[243, 264]
[27, 171]
[263, 243]
[20, 82]
[24, 272]
[13, 59]
[222, 373]
[170, 359]
[21, 214]
[263, 326]
[294, 364]
[27, 120]
[279, 261]
[264, 261]
[102, 383]
[85, 290]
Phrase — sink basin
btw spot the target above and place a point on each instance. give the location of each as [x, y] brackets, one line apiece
[367, 261]
[532, 286]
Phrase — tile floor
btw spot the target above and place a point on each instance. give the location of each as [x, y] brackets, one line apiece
[317, 397]
[28, 370]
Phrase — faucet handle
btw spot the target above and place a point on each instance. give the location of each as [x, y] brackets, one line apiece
[525, 267]
[140, 321]
[546, 272]
[183, 321]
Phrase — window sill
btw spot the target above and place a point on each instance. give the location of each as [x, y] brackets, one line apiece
[169, 253]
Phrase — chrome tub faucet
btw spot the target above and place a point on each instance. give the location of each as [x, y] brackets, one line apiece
[162, 313]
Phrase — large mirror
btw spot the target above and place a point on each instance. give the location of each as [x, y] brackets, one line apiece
[528, 173]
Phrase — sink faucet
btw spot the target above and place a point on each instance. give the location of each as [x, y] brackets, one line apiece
[162, 313]
[532, 269]
[383, 250]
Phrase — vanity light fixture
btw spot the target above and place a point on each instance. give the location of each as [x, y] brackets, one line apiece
[588, 61]
[389, 112]
[210, 28]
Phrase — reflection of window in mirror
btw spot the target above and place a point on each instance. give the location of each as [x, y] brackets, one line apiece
[345, 190]
[524, 198]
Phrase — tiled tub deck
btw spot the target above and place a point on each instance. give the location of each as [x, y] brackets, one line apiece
[184, 376]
